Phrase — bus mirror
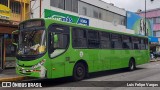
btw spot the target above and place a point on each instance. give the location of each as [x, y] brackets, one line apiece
[12, 39]
[55, 38]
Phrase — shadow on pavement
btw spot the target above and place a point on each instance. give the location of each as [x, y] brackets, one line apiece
[67, 81]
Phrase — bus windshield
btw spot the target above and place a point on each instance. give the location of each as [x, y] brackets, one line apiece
[32, 42]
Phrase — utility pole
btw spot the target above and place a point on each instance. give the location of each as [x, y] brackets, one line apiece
[40, 8]
[145, 20]
[146, 33]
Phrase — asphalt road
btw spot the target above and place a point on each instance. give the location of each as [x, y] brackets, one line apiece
[118, 79]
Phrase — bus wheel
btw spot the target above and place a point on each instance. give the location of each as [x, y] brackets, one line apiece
[79, 72]
[132, 65]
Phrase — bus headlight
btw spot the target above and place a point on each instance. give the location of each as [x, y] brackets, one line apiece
[39, 64]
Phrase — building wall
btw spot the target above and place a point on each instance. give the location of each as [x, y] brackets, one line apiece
[154, 16]
[12, 13]
[156, 27]
[137, 23]
[19, 9]
[151, 13]
[46, 4]
[106, 6]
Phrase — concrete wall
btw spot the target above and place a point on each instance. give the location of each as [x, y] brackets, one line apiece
[106, 6]
[152, 14]
[93, 22]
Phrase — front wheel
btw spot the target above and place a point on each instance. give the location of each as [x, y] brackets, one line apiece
[79, 72]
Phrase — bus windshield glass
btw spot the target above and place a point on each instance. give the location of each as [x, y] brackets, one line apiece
[32, 42]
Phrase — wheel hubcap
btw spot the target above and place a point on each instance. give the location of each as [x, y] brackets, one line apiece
[80, 71]
[132, 67]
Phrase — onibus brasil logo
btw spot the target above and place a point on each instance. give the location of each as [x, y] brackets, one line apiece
[16, 84]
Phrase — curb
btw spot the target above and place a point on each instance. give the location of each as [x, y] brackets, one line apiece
[12, 79]
[153, 60]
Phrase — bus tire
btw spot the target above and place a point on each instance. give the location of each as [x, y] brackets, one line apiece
[132, 65]
[79, 72]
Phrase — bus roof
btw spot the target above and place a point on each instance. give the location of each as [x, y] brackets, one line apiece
[80, 26]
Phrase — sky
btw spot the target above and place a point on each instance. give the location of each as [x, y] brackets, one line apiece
[134, 5]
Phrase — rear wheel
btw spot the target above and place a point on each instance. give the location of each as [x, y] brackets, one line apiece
[79, 72]
[132, 65]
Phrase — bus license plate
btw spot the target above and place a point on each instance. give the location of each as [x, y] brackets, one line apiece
[23, 71]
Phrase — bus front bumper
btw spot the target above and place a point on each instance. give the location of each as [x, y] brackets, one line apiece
[38, 72]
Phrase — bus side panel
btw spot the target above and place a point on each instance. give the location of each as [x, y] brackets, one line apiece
[105, 57]
[116, 59]
[126, 55]
[95, 57]
[137, 56]
[145, 56]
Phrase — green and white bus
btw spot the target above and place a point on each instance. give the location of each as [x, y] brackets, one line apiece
[52, 49]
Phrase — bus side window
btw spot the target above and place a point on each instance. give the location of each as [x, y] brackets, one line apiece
[116, 41]
[136, 43]
[105, 40]
[143, 44]
[93, 39]
[126, 42]
[146, 43]
[79, 38]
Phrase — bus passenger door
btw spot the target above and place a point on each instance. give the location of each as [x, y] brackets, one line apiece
[58, 45]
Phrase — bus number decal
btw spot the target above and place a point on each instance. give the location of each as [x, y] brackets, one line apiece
[81, 54]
